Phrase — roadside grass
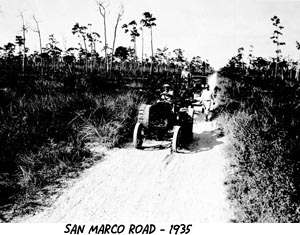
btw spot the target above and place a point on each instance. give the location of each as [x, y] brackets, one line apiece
[263, 132]
[43, 138]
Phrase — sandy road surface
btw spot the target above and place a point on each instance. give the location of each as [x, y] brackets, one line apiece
[150, 185]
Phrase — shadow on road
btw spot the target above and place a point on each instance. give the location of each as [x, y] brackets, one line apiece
[204, 141]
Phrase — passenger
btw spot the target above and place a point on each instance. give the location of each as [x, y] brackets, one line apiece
[207, 97]
[185, 74]
[167, 94]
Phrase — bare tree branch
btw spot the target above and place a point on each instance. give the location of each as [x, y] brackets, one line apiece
[24, 30]
[119, 17]
[37, 30]
[102, 10]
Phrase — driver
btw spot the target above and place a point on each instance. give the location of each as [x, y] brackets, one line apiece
[167, 93]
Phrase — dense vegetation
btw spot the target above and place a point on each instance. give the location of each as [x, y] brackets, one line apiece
[263, 127]
[263, 131]
[43, 137]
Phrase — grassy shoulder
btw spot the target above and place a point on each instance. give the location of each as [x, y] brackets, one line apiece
[43, 139]
[263, 132]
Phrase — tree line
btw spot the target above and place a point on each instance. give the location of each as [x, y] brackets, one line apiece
[87, 58]
[260, 68]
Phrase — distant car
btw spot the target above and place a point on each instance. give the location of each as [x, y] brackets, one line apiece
[199, 82]
[199, 85]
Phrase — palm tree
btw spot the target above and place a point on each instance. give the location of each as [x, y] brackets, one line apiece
[81, 31]
[53, 51]
[134, 33]
[93, 38]
[148, 21]
[19, 42]
[276, 34]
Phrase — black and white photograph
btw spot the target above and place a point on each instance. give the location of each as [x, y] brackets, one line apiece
[149, 116]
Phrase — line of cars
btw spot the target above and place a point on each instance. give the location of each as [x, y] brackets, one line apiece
[170, 119]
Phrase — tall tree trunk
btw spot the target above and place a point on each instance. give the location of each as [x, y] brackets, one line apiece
[86, 52]
[142, 50]
[39, 33]
[102, 10]
[40, 41]
[135, 57]
[151, 51]
[105, 46]
[94, 56]
[115, 36]
[24, 42]
[113, 48]
[277, 60]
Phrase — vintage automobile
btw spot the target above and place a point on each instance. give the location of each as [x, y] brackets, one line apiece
[199, 82]
[165, 120]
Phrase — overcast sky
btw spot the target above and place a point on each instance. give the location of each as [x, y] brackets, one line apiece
[212, 29]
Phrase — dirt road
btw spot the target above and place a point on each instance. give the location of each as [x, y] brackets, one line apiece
[150, 185]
